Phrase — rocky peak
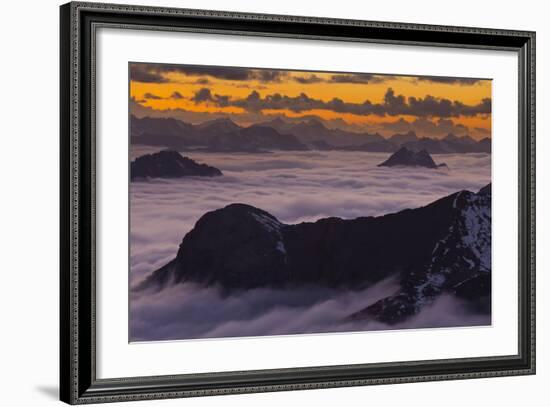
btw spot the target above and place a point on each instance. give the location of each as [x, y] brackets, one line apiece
[168, 164]
[410, 158]
[460, 264]
[237, 246]
[222, 125]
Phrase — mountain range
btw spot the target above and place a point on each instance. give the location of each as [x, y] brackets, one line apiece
[277, 134]
[441, 248]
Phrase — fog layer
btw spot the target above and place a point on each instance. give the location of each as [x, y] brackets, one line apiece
[294, 187]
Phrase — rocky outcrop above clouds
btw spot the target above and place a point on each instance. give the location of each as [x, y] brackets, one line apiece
[409, 158]
[168, 164]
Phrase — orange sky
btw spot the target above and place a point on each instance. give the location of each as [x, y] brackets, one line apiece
[157, 93]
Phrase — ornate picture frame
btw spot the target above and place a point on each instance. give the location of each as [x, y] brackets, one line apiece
[79, 382]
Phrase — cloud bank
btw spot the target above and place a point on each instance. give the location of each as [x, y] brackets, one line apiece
[157, 73]
[393, 105]
[294, 187]
[188, 311]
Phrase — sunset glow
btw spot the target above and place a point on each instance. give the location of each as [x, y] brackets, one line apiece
[387, 104]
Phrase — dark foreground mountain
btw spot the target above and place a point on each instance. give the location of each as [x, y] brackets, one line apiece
[408, 158]
[444, 247]
[169, 164]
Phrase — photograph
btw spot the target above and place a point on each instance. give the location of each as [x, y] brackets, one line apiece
[272, 201]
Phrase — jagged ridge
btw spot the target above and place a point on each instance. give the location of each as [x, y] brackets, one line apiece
[225, 135]
[442, 247]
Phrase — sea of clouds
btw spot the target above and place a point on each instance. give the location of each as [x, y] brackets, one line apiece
[188, 311]
[295, 187]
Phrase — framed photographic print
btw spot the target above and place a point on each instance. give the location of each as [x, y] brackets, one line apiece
[256, 203]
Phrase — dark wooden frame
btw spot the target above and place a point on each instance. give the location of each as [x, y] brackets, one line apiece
[78, 382]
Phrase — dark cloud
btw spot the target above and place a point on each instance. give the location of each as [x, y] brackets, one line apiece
[268, 75]
[392, 105]
[238, 74]
[431, 106]
[354, 78]
[156, 73]
[307, 79]
[423, 126]
[449, 80]
[220, 72]
[484, 108]
[151, 96]
[205, 95]
[360, 78]
[176, 95]
[143, 73]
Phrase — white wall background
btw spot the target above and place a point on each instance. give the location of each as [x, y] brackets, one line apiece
[29, 162]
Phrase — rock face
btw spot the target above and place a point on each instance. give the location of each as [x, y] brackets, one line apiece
[460, 264]
[444, 247]
[409, 158]
[237, 247]
[168, 164]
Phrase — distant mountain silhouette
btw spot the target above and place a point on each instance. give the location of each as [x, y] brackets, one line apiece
[217, 135]
[400, 139]
[408, 158]
[449, 145]
[312, 130]
[167, 132]
[314, 133]
[382, 146]
[168, 164]
[277, 134]
[444, 247]
[222, 125]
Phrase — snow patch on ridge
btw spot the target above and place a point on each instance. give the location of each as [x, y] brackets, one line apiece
[470, 234]
[273, 226]
[477, 230]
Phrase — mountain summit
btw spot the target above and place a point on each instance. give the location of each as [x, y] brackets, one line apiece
[409, 158]
[168, 164]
